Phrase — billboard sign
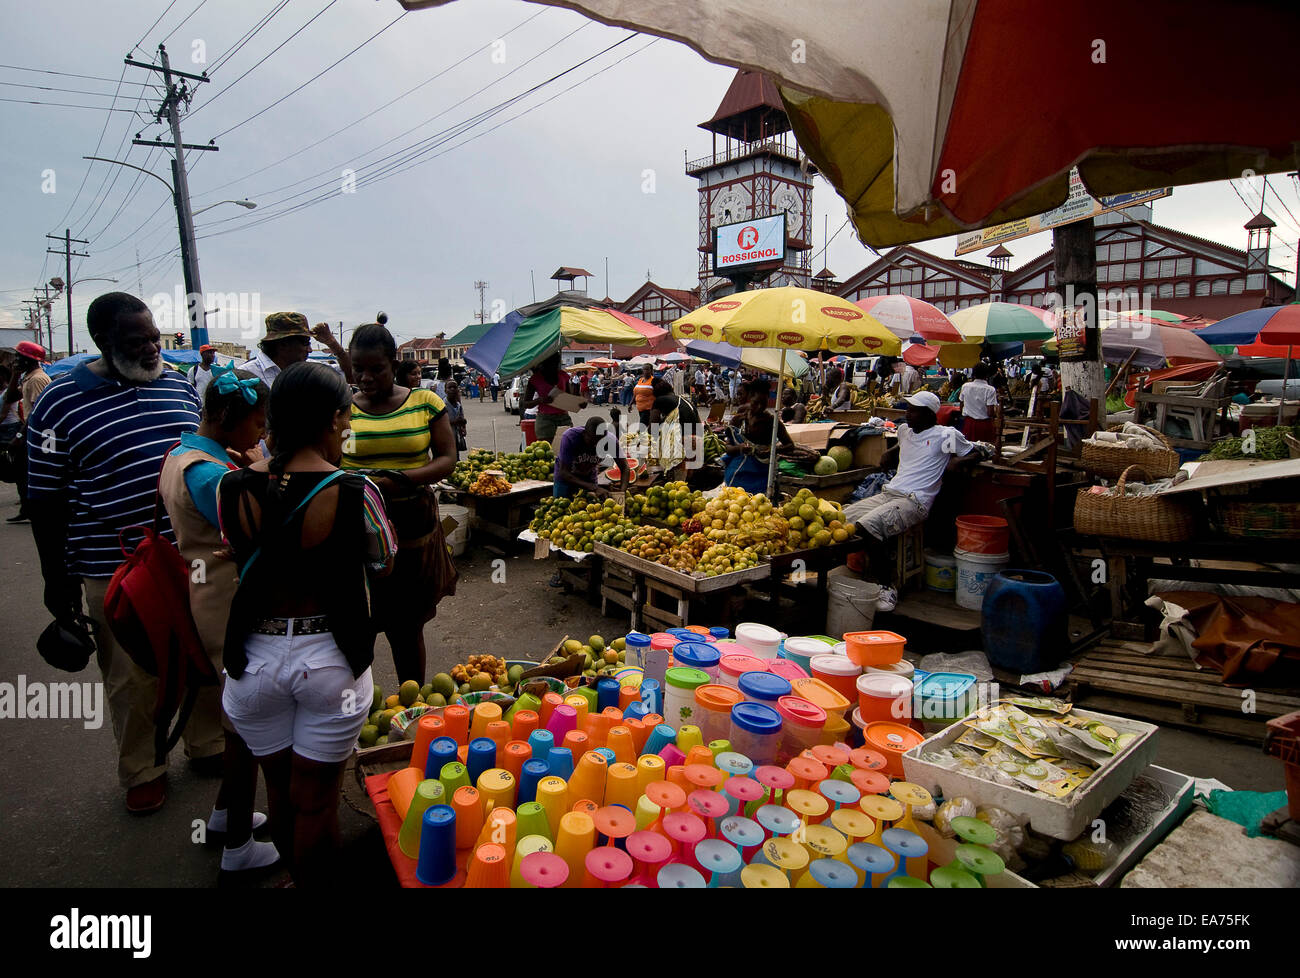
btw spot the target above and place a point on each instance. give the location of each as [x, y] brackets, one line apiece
[748, 243]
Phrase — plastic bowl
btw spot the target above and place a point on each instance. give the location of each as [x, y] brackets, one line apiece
[874, 648]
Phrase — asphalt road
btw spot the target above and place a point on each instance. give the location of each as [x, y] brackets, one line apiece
[62, 818]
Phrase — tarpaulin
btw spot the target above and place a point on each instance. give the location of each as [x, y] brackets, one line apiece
[1247, 639]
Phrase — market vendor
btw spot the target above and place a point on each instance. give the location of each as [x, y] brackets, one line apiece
[581, 453]
[750, 439]
[979, 403]
[680, 433]
[793, 410]
[546, 381]
[926, 450]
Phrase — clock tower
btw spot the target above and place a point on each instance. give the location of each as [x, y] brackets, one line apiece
[756, 170]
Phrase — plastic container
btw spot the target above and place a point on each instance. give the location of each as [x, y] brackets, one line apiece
[713, 703]
[755, 732]
[1024, 622]
[787, 669]
[891, 739]
[836, 731]
[901, 668]
[719, 632]
[982, 534]
[698, 655]
[802, 724]
[940, 572]
[763, 687]
[458, 538]
[850, 603]
[837, 671]
[820, 694]
[801, 649]
[763, 642]
[733, 665]
[943, 698]
[637, 645]
[975, 572]
[656, 659]
[680, 684]
[884, 697]
[874, 648]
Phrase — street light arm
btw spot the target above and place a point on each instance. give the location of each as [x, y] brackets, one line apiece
[132, 166]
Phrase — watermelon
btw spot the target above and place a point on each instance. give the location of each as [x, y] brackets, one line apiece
[843, 458]
[825, 466]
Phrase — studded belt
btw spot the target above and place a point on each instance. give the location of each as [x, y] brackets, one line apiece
[314, 625]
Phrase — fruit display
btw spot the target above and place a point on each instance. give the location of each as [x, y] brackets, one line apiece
[825, 466]
[843, 457]
[601, 659]
[480, 672]
[650, 542]
[672, 503]
[815, 522]
[747, 521]
[537, 461]
[723, 558]
[713, 447]
[580, 522]
[489, 484]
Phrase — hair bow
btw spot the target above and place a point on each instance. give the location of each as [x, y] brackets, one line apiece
[227, 383]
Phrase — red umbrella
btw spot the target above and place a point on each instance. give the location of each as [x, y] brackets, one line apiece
[905, 316]
[920, 355]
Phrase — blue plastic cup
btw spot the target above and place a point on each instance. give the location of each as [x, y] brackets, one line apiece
[652, 695]
[636, 710]
[659, 738]
[608, 754]
[541, 741]
[532, 772]
[560, 762]
[606, 694]
[441, 751]
[482, 756]
[437, 862]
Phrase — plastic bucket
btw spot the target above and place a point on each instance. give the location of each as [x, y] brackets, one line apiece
[874, 648]
[882, 697]
[975, 571]
[850, 604]
[529, 428]
[943, 698]
[838, 672]
[763, 642]
[733, 665]
[458, 538]
[901, 668]
[940, 572]
[982, 534]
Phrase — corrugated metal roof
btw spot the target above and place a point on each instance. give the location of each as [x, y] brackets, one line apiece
[470, 335]
[752, 99]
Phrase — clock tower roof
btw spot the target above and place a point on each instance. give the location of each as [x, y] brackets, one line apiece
[752, 109]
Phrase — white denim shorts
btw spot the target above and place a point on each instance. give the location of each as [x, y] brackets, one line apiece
[299, 692]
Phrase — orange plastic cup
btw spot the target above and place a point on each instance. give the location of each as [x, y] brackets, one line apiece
[489, 869]
[484, 714]
[652, 720]
[498, 731]
[549, 702]
[500, 828]
[401, 788]
[588, 780]
[829, 756]
[468, 806]
[627, 695]
[578, 742]
[807, 771]
[580, 704]
[524, 723]
[649, 769]
[576, 838]
[553, 794]
[456, 720]
[513, 755]
[429, 727]
[621, 743]
[640, 732]
[677, 776]
[586, 806]
[598, 727]
[704, 776]
[699, 755]
[496, 786]
[620, 785]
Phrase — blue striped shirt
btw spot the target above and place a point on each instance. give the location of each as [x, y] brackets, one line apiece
[100, 443]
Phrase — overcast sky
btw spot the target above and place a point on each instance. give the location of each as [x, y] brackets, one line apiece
[537, 185]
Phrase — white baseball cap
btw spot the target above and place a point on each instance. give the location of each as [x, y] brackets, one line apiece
[924, 399]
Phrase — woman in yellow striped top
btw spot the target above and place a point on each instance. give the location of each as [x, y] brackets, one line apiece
[402, 438]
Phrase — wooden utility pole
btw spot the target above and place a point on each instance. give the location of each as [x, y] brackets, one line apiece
[1074, 250]
[68, 255]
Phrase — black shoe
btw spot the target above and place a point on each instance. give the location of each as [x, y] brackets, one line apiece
[557, 580]
[20, 518]
[208, 767]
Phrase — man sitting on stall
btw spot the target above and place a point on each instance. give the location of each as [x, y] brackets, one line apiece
[925, 451]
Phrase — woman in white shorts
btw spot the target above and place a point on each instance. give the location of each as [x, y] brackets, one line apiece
[299, 642]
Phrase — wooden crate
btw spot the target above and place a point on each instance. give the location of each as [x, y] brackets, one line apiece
[1117, 676]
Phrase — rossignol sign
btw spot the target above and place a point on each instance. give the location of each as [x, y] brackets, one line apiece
[738, 246]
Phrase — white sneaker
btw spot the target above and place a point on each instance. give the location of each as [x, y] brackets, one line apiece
[251, 855]
[888, 599]
[217, 821]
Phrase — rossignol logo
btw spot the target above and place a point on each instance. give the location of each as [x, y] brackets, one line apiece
[839, 312]
[753, 336]
[790, 338]
[724, 305]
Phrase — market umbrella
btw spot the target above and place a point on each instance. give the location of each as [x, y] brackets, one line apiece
[768, 361]
[932, 117]
[905, 316]
[1272, 326]
[920, 354]
[1002, 322]
[675, 357]
[540, 336]
[486, 355]
[603, 363]
[68, 363]
[1151, 346]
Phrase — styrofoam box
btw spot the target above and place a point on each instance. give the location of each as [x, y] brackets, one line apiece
[1063, 818]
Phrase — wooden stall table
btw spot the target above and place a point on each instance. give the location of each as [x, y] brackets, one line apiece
[501, 517]
[818, 560]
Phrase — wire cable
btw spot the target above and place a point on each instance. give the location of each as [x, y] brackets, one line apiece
[183, 22]
[248, 35]
[69, 74]
[90, 163]
[154, 24]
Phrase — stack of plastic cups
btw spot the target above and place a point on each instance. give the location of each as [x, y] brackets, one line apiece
[649, 851]
[598, 727]
[531, 820]
[482, 757]
[581, 707]
[627, 696]
[606, 693]
[688, 737]
[636, 710]
[620, 785]
[606, 753]
[468, 806]
[560, 762]
[742, 792]
[523, 724]
[428, 728]
[553, 794]
[541, 742]
[621, 743]
[530, 774]
[525, 847]
[577, 743]
[496, 788]
[488, 868]
[649, 768]
[576, 836]
[528, 702]
[660, 737]
[498, 731]
[588, 780]
[436, 865]
[500, 828]
[427, 794]
[719, 747]
[484, 714]
[563, 719]
[455, 720]
[808, 805]
[442, 751]
[549, 702]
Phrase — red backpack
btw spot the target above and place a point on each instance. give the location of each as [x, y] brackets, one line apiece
[147, 606]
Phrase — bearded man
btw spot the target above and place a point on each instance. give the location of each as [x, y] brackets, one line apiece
[96, 441]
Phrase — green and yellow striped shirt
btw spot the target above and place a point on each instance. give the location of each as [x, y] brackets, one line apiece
[399, 440]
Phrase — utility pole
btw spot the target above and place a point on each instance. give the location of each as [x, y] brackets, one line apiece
[170, 108]
[68, 254]
[481, 315]
[1075, 255]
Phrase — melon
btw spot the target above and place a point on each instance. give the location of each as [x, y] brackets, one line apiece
[825, 466]
[843, 457]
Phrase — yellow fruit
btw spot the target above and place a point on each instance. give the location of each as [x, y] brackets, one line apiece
[408, 693]
[839, 534]
[597, 643]
[480, 682]
[443, 685]
[807, 513]
[611, 655]
[572, 646]
[393, 702]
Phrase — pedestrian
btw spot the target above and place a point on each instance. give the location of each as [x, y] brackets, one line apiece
[629, 385]
[584, 385]
[546, 381]
[444, 375]
[29, 379]
[407, 374]
[645, 394]
[234, 421]
[288, 341]
[307, 539]
[733, 387]
[496, 385]
[481, 383]
[456, 415]
[97, 438]
[405, 441]
[201, 373]
[979, 402]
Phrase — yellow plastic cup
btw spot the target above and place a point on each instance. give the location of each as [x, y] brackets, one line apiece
[689, 736]
[500, 829]
[497, 786]
[760, 876]
[579, 703]
[649, 768]
[526, 846]
[577, 834]
[824, 842]
[553, 794]
[786, 855]
[484, 714]
[646, 813]
[588, 781]
[620, 786]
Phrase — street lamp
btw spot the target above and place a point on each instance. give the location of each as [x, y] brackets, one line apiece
[242, 203]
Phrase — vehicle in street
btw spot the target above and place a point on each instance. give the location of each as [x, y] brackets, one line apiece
[513, 395]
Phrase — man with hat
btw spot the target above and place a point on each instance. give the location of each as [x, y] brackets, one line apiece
[201, 373]
[288, 341]
[925, 451]
[29, 379]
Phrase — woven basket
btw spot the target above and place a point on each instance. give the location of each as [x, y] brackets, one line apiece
[1260, 520]
[1108, 461]
[1117, 514]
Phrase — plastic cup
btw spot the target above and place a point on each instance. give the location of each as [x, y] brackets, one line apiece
[717, 747]
[620, 785]
[786, 855]
[979, 861]
[647, 813]
[743, 833]
[636, 710]
[544, 870]
[953, 877]
[672, 756]
[680, 876]
[866, 759]
[606, 693]
[688, 737]
[496, 786]
[501, 828]
[530, 774]
[427, 729]
[488, 868]
[585, 806]
[427, 794]
[455, 720]
[453, 776]
[553, 794]
[563, 719]
[436, 865]
[909, 847]
[824, 842]
[649, 850]
[613, 823]
[621, 743]
[660, 737]
[828, 874]
[588, 693]
[541, 742]
[710, 806]
[498, 731]
[829, 756]
[577, 742]
[606, 753]
[549, 702]
[513, 756]
[560, 762]
[606, 867]
[468, 806]
[974, 831]
[760, 876]
[652, 695]
[703, 776]
[525, 847]
[839, 793]
[666, 796]
[699, 754]
[576, 836]
[870, 782]
[401, 788]
[581, 707]
[588, 780]
[598, 727]
[854, 824]
[649, 768]
[897, 882]
[526, 702]
[776, 780]
[883, 811]
[629, 696]
[873, 863]
[484, 714]
[720, 861]
[482, 756]
[685, 829]
[442, 751]
[523, 724]
[531, 819]
[808, 805]
[677, 775]
[742, 791]
[807, 771]
[777, 820]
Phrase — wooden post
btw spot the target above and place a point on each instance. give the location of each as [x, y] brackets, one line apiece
[1074, 252]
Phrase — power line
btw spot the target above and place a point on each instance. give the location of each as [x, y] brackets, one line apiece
[155, 24]
[107, 119]
[69, 74]
[63, 105]
[247, 36]
[313, 77]
[183, 22]
[49, 88]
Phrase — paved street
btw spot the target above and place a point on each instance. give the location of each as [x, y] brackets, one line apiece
[62, 820]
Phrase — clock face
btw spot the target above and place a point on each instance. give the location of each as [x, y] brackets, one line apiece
[730, 205]
[789, 200]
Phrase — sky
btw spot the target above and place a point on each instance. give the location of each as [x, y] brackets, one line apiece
[507, 187]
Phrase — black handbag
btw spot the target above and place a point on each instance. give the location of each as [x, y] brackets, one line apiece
[68, 644]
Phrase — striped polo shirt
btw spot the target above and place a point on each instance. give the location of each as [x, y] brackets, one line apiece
[399, 440]
[100, 443]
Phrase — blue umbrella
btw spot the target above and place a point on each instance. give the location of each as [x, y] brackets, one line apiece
[68, 363]
[486, 355]
[182, 356]
[1239, 330]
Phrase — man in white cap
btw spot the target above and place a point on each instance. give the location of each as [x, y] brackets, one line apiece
[925, 451]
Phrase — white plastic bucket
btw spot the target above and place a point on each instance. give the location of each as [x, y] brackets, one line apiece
[458, 538]
[850, 604]
[901, 668]
[940, 572]
[763, 642]
[974, 574]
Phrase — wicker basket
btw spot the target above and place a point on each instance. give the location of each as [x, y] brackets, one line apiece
[1279, 520]
[1108, 461]
[1151, 518]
